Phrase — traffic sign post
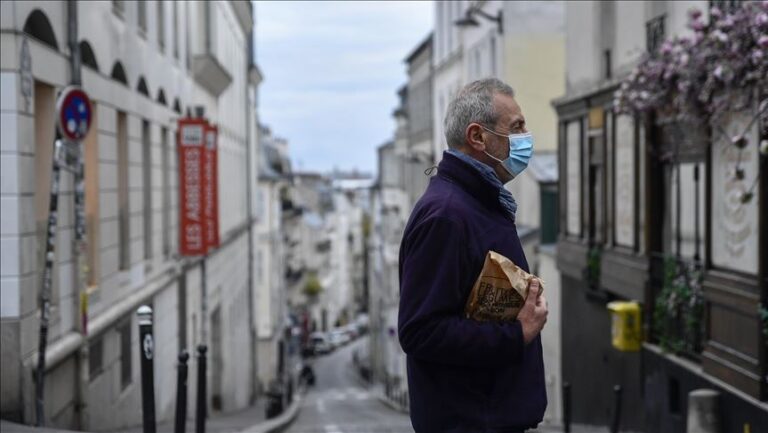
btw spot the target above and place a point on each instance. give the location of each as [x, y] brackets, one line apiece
[73, 120]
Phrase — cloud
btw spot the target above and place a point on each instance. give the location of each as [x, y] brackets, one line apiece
[331, 71]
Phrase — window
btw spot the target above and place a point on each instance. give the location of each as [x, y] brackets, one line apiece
[493, 56]
[95, 358]
[175, 30]
[122, 191]
[549, 215]
[160, 25]
[607, 64]
[684, 225]
[126, 360]
[165, 192]
[146, 175]
[118, 7]
[654, 34]
[91, 179]
[726, 5]
[142, 17]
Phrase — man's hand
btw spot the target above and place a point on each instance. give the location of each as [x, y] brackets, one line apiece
[533, 315]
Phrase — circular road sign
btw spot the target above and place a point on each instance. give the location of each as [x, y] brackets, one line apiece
[73, 113]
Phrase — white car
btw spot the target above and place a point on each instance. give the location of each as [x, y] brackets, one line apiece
[320, 344]
[338, 338]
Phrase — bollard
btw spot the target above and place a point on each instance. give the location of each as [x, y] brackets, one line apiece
[616, 409]
[567, 407]
[201, 411]
[180, 425]
[146, 350]
[703, 411]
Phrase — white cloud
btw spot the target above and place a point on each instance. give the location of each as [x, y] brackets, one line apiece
[331, 72]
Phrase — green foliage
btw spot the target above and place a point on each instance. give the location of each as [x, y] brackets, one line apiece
[679, 309]
[312, 288]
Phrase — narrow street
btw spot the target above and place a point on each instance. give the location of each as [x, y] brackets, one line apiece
[340, 403]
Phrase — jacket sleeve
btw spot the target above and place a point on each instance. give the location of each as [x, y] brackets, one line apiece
[431, 325]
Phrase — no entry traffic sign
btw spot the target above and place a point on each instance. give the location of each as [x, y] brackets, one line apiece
[73, 113]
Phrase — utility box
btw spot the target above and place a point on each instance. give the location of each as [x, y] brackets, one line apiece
[626, 330]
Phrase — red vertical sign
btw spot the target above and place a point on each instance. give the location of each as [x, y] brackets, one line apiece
[191, 151]
[211, 188]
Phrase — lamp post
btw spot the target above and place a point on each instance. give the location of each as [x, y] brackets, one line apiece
[469, 19]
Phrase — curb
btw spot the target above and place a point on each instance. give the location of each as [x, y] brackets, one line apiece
[281, 422]
[389, 403]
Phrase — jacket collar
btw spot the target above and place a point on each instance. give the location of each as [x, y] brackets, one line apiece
[468, 178]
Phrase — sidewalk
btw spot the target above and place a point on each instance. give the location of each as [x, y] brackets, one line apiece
[250, 420]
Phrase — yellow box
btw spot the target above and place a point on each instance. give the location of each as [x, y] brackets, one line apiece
[626, 327]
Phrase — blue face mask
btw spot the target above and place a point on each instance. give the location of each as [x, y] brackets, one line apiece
[520, 152]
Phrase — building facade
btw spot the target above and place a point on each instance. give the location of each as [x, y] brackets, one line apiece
[144, 65]
[634, 223]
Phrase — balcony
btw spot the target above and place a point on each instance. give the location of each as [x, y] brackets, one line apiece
[209, 73]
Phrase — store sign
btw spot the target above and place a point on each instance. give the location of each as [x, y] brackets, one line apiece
[198, 187]
[211, 188]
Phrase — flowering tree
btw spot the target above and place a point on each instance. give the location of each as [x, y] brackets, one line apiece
[696, 81]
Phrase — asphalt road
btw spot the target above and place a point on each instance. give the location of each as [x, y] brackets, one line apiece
[339, 403]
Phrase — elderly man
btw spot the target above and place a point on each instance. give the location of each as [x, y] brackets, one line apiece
[464, 375]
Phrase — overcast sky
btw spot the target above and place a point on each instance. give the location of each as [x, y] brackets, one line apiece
[331, 73]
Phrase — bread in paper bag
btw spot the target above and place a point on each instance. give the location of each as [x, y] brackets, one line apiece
[499, 291]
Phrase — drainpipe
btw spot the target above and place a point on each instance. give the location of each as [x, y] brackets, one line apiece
[80, 245]
[249, 213]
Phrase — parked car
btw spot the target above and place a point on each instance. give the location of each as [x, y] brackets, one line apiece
[338, 338]
[320, 343]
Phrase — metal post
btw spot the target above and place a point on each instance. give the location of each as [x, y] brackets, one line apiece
[201, 411]
[181, 393]
[45, 292]
[616, 409]
[696, 256]
[567, 407]
[203, 303]
[146, 350]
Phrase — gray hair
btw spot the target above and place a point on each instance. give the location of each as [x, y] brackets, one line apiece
[473, 104]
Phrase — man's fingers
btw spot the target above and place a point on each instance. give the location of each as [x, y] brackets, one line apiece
[533, 290]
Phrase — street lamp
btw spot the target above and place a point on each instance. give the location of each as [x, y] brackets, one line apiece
[469, 20]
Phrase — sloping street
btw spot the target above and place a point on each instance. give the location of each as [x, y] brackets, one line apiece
[340, 403]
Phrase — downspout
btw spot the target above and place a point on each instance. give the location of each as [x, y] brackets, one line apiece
[249, 213]
[81, 271]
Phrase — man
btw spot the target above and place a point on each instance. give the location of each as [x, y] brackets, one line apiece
[464, 375]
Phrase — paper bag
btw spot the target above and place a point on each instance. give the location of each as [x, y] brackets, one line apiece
[499, 292]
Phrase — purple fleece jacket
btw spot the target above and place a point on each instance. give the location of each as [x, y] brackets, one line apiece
[463, 375]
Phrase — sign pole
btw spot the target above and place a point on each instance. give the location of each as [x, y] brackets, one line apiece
[73, 116]
[45, 292]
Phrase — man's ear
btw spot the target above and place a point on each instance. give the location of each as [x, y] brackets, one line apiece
[474, 137]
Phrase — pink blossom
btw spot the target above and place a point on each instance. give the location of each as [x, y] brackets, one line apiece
[763, 41]
[718, 72]
[715, 12]
[720, 36]
[761, 19]
[666, 47]
[694, 13]
[697, 25]
[757, 56]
